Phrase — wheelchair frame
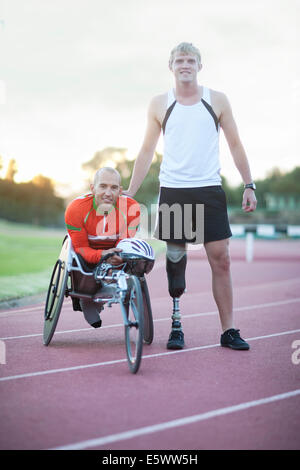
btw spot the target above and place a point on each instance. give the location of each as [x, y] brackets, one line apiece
[112, 285]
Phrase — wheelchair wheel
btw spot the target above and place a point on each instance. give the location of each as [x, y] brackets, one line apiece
[55, 295]
[134, 329]
[148, 318]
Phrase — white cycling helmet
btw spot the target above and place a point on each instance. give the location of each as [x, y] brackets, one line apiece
[138, 254]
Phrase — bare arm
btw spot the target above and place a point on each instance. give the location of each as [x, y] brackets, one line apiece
[146, 153]
[238, 153]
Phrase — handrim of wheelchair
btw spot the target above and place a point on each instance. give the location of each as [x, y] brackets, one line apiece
[124, 284]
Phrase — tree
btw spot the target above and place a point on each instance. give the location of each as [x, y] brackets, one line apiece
[109, 156]
[30, 202]
[287, 183]
[11, 170]
[43, 182]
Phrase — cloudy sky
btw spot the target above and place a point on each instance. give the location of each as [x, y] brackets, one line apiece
[77, 76]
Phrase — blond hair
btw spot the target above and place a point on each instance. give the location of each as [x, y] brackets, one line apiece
[185, 48]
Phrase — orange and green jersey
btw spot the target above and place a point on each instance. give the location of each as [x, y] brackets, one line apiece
[92, 231]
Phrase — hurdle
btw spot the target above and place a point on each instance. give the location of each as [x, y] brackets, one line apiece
[249, 231]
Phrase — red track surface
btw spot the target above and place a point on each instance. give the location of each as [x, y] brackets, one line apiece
[78, 392]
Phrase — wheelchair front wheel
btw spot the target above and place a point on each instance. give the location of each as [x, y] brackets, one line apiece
[134, 328]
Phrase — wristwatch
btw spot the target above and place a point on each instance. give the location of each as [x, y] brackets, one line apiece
[251, 186]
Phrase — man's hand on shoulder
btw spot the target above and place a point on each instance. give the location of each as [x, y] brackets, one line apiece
[127, 193]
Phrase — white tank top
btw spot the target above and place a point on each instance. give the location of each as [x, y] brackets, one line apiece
[191, 144]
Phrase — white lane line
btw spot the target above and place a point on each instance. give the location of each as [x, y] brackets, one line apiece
[192, 315]
[89, 329]
[147, 356]
[68, 303]
[28, 310]
[175, 423]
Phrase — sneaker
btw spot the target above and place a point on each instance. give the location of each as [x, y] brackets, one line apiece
[231, 339]
[176, 340]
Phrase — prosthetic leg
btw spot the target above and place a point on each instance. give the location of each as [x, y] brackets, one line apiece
[176, 265]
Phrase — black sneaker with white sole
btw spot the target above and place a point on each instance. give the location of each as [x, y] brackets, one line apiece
[231, 339]
[176, 340]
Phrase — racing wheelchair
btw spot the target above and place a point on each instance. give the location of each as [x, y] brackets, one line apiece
[124, 284]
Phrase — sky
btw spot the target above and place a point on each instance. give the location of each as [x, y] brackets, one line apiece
[77, 76]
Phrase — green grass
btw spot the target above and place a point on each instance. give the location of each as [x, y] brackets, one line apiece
[24, 285]
[27, 254]
[27, 257]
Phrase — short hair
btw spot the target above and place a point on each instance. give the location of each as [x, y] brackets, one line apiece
[185, 48]
[109, 169]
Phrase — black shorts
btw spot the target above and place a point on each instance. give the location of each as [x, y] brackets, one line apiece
[192, 215]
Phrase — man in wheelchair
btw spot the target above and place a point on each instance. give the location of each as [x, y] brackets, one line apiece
[96, 223]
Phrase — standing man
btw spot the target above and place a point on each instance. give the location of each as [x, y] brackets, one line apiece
[190, 116]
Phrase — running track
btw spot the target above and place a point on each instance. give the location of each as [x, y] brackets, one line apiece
[78, 393]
